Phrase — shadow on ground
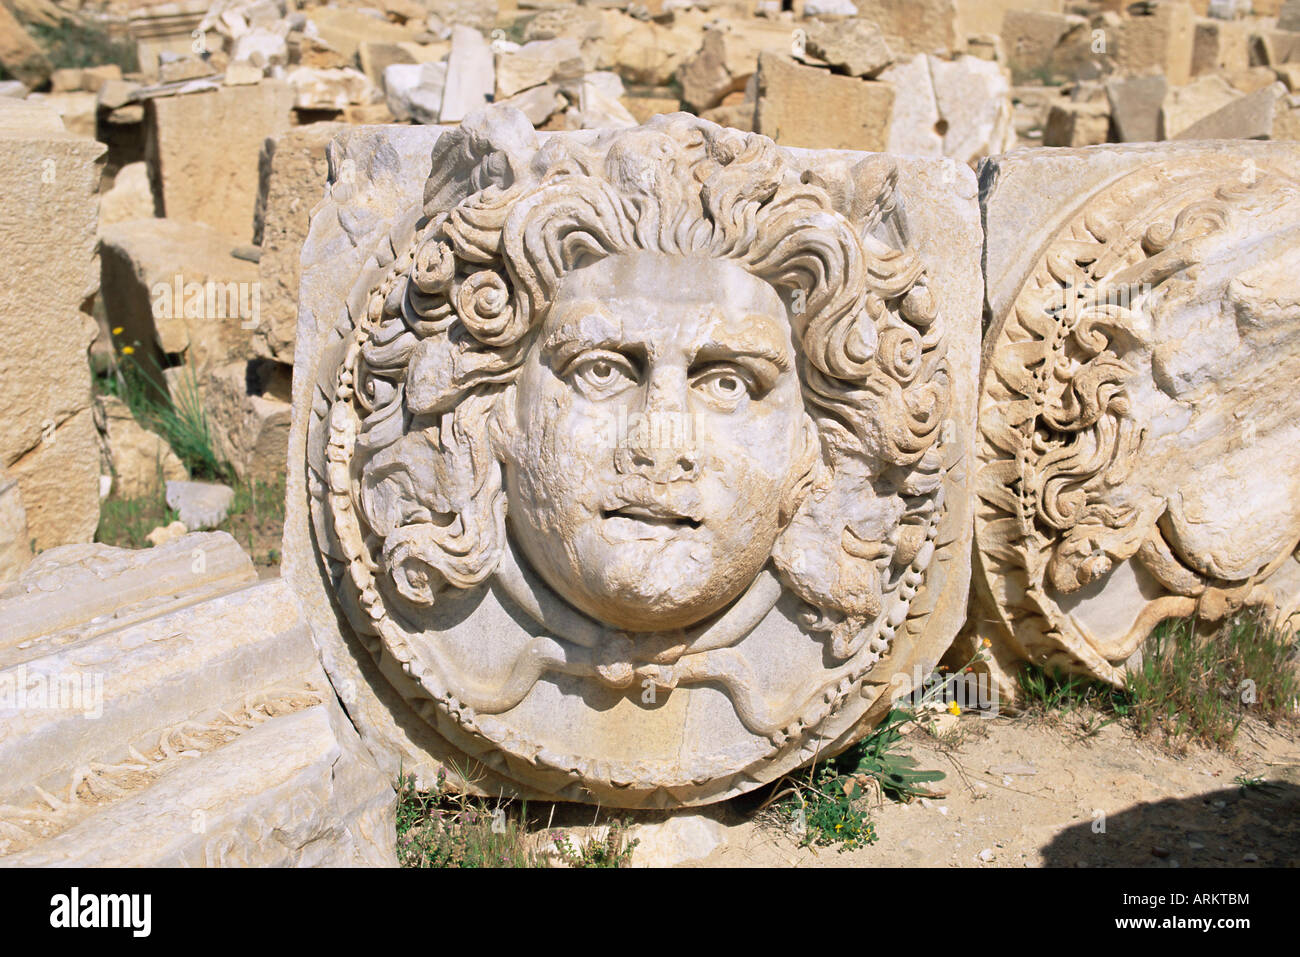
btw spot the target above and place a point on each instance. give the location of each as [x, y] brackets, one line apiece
[1251, 826]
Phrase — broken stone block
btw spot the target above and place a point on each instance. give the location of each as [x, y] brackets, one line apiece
[129, 198]
[646, 52]
[805, 106]
[854, 47]
[77, 110]
[175, 290]
[470, 75]
[317, 89]
[248, 406]
[141, 460]
[213, 186]
[166, 533]
[48, 239]
[414, 91]
[20, 55]
[739, 116]
[564, 715]
[293, 174]
[215, 739]
[915, 129]
[536, 63]
[540, 103]
[1158, 41]
[1191, 250]
[1077, 124]
[377, 57]
[599, 104]
[830, 8]
[174, 69]
[974, 102]
[1135, 107]
[1252, 117]
[165, 28]
[727, 59]
[346, 29]
[1045, 47]
[1220, 47]
[200, 505]
[242, 74]
[15, 546]
[1186, 105]
[914, 26]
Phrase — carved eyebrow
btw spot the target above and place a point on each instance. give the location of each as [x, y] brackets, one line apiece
[748, 337]
[590, 328]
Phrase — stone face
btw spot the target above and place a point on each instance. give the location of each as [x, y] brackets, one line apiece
[48, 211]
[805, 106]
[293, 171]
[175, 288]
[1156, 466]
[213, 186]
[777, 565]
[214, 739]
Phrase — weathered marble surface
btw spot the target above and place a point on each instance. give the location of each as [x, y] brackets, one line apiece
[1139, 448]
[176, 715]
[480, 557]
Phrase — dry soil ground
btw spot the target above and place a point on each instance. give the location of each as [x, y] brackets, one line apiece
[1040, 792]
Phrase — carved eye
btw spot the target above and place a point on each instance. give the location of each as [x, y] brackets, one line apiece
[724, 386]
[602, 374]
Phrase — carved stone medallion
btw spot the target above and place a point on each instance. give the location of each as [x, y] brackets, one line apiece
[1139, 422]
[631, 456]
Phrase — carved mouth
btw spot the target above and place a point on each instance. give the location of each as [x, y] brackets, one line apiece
[651, 515]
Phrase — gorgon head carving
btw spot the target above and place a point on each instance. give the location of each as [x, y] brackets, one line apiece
[685, 275]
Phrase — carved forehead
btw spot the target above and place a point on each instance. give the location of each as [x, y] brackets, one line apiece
[700, 303]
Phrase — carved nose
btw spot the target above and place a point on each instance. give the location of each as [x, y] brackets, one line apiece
[660, 440]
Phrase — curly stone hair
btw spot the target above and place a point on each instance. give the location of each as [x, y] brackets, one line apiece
[506, 217]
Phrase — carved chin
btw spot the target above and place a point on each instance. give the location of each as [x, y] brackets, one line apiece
[643, 578]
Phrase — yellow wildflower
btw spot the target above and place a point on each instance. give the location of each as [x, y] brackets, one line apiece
[127, 350]
[954, 709]
[986, 643]
[117, 330]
